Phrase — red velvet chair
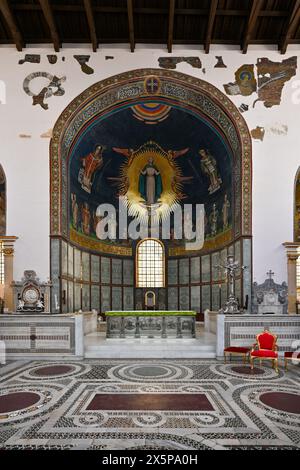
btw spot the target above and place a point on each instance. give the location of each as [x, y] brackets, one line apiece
[291, 356]
[265, 348]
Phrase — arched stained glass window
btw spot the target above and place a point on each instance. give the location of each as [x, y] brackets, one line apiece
[150, 263]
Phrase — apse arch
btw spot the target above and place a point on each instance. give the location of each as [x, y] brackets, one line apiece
[155, 99]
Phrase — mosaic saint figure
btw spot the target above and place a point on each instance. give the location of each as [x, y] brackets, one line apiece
[225, 212]
[209, 167]
[86, 218]
[213, 219]
[91, 163]
[75, 211]
[150, 183]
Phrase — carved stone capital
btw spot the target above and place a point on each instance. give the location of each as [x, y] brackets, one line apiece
[8, 251]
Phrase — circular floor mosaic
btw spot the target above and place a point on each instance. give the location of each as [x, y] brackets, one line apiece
[49, 371]
[247, 370]
[148, 372]
[283, 401]
[17, 401]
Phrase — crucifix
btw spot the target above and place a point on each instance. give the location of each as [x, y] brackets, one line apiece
[231, 267]
[270, 274]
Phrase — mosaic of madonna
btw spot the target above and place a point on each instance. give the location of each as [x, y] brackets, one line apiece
[155, 155]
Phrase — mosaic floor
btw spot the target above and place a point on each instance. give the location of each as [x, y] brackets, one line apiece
[122, 404]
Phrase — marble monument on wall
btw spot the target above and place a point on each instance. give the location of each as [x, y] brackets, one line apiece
[31, 295]
[269, 297]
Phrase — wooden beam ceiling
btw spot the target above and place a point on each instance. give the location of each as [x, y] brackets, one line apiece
[48, 14]
[171, 24]
[254, 13]
[291, 27]
[130, 25]
[210, 24]
[91, 22]
[11, 23]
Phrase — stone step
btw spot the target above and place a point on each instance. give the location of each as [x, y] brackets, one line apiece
[149, 354]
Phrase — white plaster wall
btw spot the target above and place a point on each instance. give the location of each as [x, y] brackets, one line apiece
[26, 161]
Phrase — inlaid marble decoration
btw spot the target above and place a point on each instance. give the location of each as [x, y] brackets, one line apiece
[55, 270]
[215, 300]
[184, 298]
[77, 265]
[95, 268]
[116, 299]
[247, 273]
[105, 270]
[95, 298]
[195, 269]
[64, 288]
[215, 263]
[237, 251]
[172, 271]
[116, 271]
[195, 298]
[85, 266]
[105, 299]
[205, 297]
[128, 273]
[238, 291]
[205, 261]
[71, 296]
[162, 299]
[128, 298]
[173, 298]
[184, 274]
[223, 259]
[77, 296]
[86, 298]
[64, 257]
[70, 261]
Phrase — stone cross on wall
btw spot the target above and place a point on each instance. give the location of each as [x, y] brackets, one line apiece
[270, 274]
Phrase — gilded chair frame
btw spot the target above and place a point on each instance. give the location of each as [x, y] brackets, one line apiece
[256, 346]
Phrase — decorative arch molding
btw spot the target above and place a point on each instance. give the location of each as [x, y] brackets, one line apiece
[297, 208]
[108, 97]
[167, 86]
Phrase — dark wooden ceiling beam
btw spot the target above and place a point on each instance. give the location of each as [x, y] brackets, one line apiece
[171, 25]
[130, 24]
[11, 23]
[291, 27]
[254, 13]
[48, 14]
[91, 22]
[210, 24]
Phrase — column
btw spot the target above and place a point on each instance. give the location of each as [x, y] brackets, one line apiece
[8, 251]
[292, 256]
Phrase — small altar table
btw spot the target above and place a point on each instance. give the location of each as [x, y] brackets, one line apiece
[150, 324]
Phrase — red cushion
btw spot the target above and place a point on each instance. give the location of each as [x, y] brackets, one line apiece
[237, 349]
[264, 353]
[266, 340]
[292, 354]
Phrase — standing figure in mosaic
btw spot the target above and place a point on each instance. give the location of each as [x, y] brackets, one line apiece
[86, 218]
[90, 165]
[213, 219]
[75, 211]
[225, 212]
[150, 183]
[209, 167]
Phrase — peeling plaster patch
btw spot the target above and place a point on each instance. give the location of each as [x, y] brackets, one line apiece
[25, 136]
[53, 88]
[204, 71]
[109, 57]
[278, 129]
[245, 81]
[31, 58]
[47, 135]
[171, 62]
[272, 77]
[220, 64]
[258, 133]
[243, 108]
[82, 60]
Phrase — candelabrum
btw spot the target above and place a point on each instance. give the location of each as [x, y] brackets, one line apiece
[231, 267]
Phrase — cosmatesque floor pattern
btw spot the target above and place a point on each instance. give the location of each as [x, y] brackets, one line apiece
[141, 404]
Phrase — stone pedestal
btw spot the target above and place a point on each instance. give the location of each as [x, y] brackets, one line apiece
[8, 251]
[292, 251]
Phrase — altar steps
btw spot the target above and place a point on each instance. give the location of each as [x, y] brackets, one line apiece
[97, 346]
